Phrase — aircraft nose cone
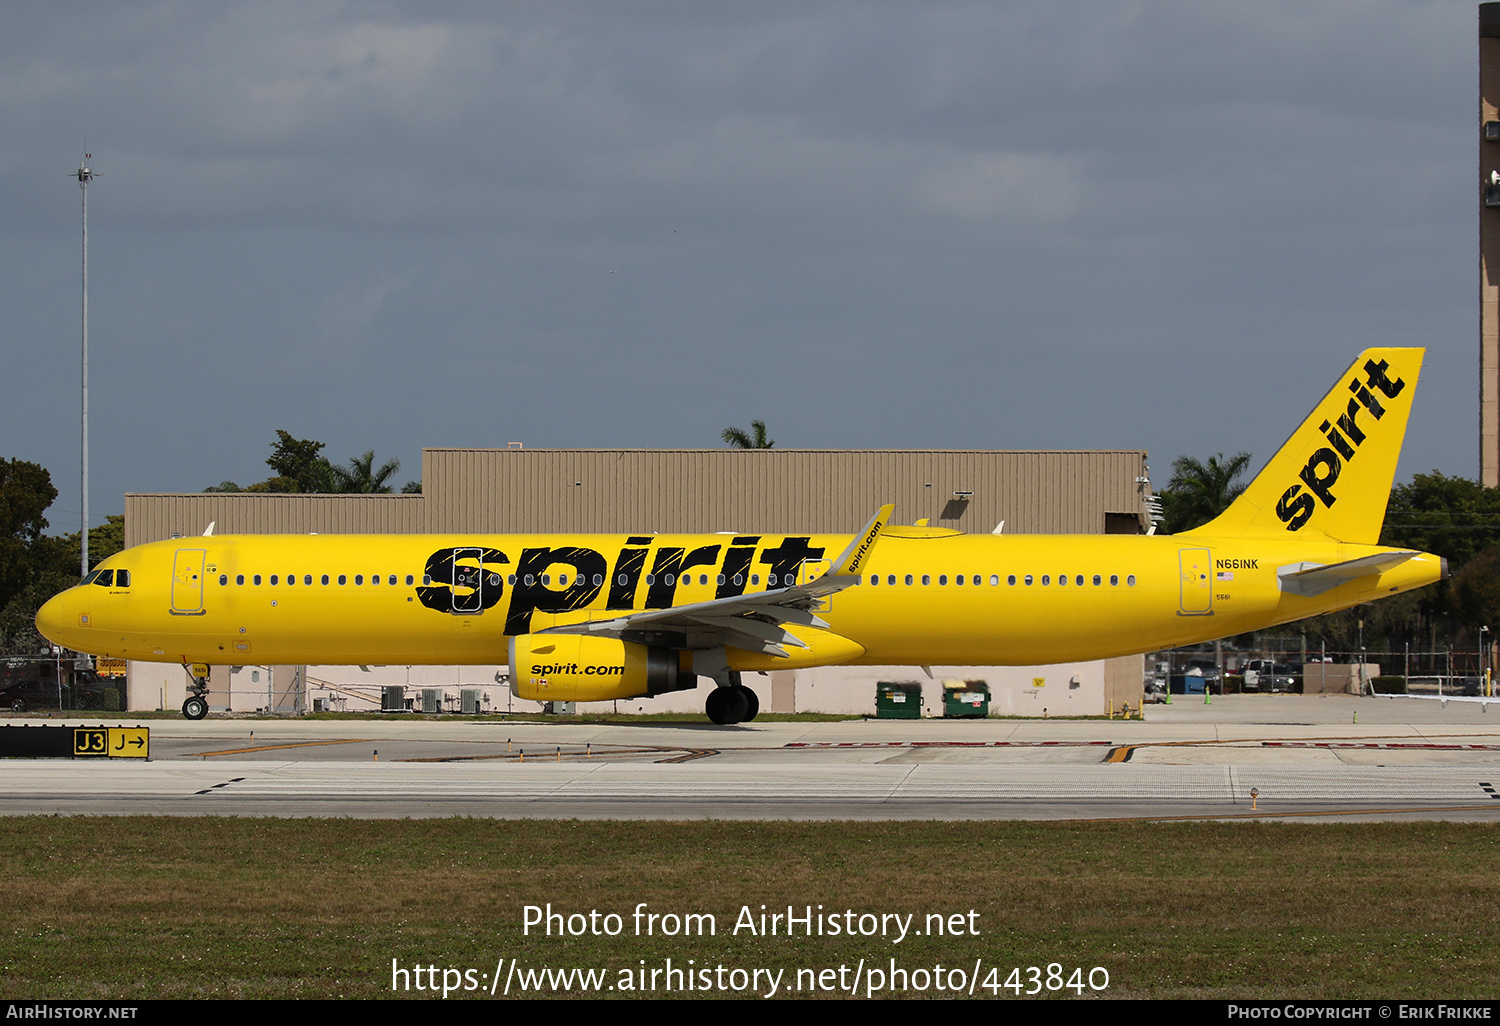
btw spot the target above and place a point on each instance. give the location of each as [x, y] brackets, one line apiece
[55, 618]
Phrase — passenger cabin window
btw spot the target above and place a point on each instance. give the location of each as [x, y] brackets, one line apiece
[239, 578]
[1130, 580]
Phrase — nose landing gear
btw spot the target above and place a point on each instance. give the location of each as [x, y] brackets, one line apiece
[196, 706]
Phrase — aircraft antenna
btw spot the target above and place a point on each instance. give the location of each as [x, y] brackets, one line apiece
[84, 175]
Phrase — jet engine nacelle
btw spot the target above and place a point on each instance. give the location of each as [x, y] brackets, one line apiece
[574, 668]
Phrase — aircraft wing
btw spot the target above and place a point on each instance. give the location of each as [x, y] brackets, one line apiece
[755, 622]
[1311, 579]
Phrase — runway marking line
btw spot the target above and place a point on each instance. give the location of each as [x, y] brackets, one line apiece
[272, 748]
[1124, 752]
[684, 755]
[945, 744]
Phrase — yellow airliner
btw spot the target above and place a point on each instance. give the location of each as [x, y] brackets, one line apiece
[598, 617]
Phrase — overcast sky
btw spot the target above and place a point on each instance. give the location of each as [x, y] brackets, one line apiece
[1055, 225]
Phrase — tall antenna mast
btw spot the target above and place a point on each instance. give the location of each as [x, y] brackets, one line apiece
[84, 176]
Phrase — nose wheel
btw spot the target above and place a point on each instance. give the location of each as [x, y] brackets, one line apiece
[195, 708]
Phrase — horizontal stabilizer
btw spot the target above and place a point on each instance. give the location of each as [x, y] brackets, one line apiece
[1311, 579]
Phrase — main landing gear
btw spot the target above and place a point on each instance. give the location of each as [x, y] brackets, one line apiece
[730, 704]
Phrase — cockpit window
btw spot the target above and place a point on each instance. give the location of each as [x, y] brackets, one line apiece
[122, 578]
[92, 577]
[103, 577]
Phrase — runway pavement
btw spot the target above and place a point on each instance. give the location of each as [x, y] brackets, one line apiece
[1266, 757]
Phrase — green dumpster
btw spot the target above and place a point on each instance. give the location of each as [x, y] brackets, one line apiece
[965, 698]
[898, 700]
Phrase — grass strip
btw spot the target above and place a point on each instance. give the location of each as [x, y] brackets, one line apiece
[129, 908]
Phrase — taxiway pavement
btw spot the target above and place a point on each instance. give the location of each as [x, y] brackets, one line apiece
[1263, 757]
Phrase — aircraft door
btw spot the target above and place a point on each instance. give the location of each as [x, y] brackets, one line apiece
[187, 582]
[1195, 568]
[468, 581]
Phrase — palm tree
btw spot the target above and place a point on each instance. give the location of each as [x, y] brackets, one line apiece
[361, 477]
[1200, 491]
[736, 438]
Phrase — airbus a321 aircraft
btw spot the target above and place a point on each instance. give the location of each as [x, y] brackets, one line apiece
[598, 617]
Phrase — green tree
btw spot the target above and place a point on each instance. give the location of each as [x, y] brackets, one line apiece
[1200, 491]
[298, 465]
[26, 492]
[1452, 517]
[737, 438]
[362, 477]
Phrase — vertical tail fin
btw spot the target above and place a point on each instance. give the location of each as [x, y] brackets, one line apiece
[1333, 476]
